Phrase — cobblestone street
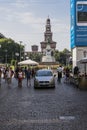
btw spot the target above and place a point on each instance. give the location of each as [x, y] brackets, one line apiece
[26, 108]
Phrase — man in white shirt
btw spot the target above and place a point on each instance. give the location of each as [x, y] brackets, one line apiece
[59, 70]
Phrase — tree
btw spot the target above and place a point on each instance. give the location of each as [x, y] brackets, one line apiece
[35, 56]
[62, 56]
[8, 49]
[56, 55]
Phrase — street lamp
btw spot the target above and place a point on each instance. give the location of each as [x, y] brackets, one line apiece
[6, 56]
[27, 57]
[20, 49]
[17, 54]
[24, 52]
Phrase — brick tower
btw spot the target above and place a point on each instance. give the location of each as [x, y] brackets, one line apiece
[48, 36]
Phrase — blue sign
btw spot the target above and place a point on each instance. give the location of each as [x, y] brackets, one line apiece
[78, 23]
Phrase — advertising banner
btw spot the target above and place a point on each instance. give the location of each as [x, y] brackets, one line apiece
[78, 23]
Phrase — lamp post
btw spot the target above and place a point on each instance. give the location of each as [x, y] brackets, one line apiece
[16, 54]
[24, 52]
[20, 49]
[25, 55]
[6, 56]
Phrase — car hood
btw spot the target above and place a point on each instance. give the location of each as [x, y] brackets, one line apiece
[44, 78]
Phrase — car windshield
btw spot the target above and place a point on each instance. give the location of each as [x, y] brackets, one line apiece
[44, 73]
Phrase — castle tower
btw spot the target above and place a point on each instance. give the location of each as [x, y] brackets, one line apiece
[47, 36]
[48, 45]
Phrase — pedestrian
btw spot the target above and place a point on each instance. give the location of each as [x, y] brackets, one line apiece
[9, 74]
[0, 75]
[33, 72]
[25, 71]
[4, 74]
[16, 72]
[67, 75]
[28, 76]
[59, 71]
[20, 77]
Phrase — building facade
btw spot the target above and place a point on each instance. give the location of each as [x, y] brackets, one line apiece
[78, 30]
[34, 48]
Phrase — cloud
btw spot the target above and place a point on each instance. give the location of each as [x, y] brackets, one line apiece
[27, 18]
[19, 4]
[59, 26]
[19, 22]
[4, 9]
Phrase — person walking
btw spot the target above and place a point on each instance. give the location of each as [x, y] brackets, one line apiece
[20, 77]
[9, 74]
[25, 71]
[33, 72]
[0, 75]
[28, 76]
[59, 71]
[16, 72]
[67, 74]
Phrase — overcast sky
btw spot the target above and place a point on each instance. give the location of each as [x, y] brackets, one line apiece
[25, 20]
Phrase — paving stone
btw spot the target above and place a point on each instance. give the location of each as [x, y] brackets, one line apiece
[26, 108]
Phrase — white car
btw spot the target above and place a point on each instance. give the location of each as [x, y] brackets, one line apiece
[44, 78]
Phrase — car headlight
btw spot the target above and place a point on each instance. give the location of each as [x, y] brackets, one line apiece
[52, 80]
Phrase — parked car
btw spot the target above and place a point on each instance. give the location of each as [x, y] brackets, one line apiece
[44, 78]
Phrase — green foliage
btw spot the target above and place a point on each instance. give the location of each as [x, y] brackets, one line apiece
[35, 56]
[56, 55]
[8, 49]
[13, 62]
[63, 56]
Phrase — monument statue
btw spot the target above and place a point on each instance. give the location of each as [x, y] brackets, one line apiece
[48, 57]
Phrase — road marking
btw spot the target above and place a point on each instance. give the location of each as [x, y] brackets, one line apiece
[67, 117]
[42, 121]
[39, 121]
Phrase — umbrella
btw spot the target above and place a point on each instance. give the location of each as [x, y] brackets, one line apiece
[28, 62]
[84, 61]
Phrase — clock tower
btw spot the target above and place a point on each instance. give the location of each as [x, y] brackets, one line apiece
[47, 37]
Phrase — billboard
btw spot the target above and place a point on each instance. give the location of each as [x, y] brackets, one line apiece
[78, 23]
